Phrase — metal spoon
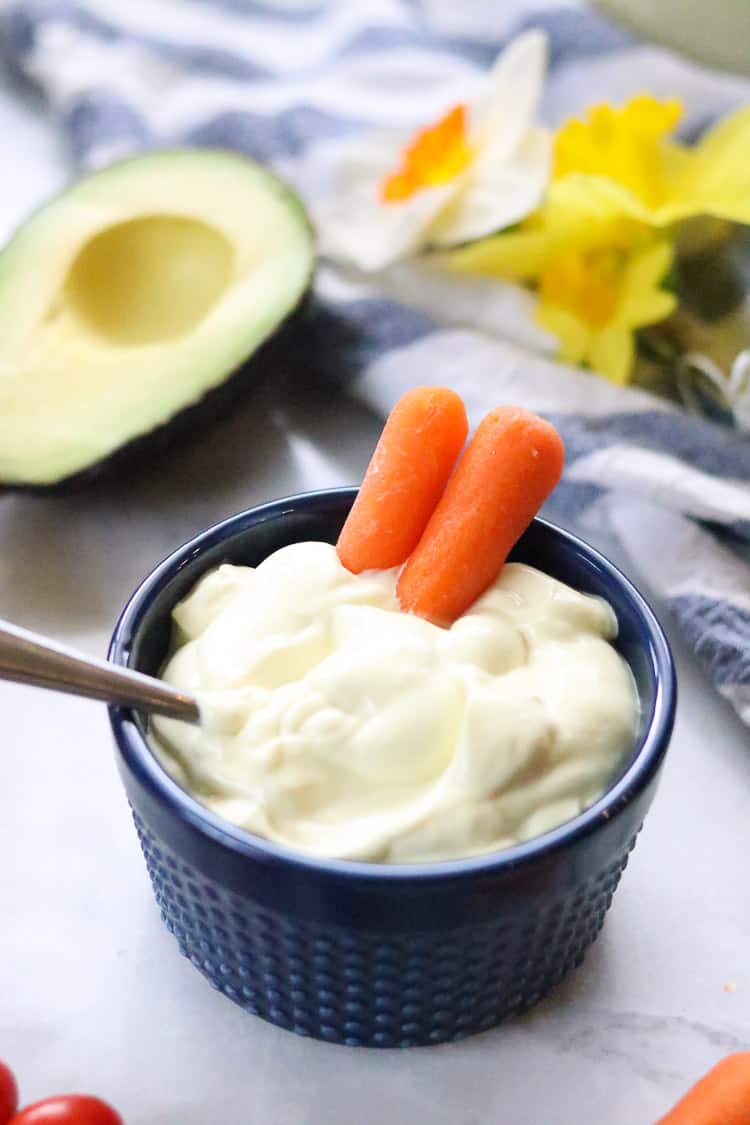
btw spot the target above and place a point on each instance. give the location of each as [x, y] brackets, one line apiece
[26, 658]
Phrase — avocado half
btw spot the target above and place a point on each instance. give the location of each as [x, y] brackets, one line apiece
[133, 297]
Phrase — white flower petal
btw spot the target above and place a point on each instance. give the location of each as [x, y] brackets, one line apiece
[505, 112]
[504, 182]
[370, 157]
[497, 194]
[359, 229]
[352, 223]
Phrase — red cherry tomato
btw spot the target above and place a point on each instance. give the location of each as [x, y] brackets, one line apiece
[8, 1094]
[68, 1109]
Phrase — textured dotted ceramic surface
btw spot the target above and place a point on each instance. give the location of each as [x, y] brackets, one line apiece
[365, 988]
[368, 954]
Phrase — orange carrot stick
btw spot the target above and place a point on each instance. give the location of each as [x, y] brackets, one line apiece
[509, 468]
[410, 467]
[721, 1097]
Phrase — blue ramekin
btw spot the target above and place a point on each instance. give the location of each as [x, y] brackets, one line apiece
[370, 954]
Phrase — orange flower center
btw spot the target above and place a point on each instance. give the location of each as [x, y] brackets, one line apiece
[434, 156]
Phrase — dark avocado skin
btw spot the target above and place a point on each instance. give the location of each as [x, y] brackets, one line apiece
[285, 340]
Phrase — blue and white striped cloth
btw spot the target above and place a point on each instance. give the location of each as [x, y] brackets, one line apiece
[288, 81]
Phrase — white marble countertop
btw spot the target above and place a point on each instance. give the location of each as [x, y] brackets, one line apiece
[93, 994]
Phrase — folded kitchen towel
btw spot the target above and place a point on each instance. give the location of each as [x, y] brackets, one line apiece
[290, 82]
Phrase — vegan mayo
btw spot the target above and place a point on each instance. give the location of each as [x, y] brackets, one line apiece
[341, 727]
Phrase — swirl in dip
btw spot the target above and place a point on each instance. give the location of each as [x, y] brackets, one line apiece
[341, 727]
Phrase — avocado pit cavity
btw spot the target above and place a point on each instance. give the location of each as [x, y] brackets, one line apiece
[150, 279]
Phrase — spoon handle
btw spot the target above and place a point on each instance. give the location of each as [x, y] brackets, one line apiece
[26, 658]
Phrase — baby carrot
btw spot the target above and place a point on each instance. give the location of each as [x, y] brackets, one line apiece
[410, 467]
[507, 471]
[721, 1097]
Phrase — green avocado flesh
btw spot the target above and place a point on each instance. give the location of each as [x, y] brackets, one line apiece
[133, 294]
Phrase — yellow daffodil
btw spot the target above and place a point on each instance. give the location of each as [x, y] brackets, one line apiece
[480, 167]
[617, 169]
[549, 233]
[620, 161]
[600, 244]
[625, 145]
[592, 300]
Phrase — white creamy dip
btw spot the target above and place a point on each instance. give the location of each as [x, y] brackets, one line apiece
[339, 726]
